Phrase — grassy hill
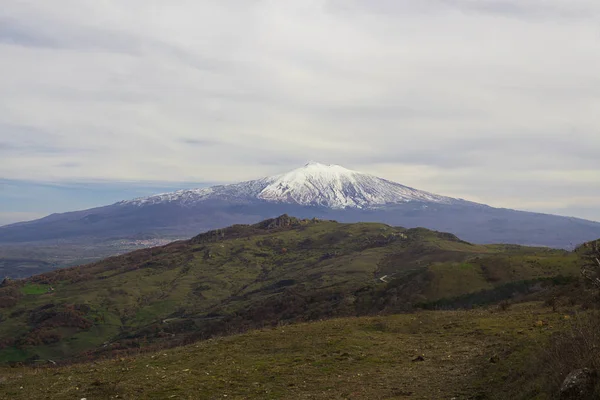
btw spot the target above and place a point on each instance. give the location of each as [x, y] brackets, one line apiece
[478, 354]
[282, 270]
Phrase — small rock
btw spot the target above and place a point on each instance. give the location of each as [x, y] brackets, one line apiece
[6, 281]
[579, 385]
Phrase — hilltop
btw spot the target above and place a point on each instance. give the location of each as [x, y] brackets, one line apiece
[281, 270]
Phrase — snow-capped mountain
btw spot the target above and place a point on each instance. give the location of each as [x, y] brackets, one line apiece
[314, 184]
[314, 190]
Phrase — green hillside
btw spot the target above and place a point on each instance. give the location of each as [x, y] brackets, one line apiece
[479, 354]
[282, 270]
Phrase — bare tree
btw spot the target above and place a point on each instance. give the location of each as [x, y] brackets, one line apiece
[590, 269]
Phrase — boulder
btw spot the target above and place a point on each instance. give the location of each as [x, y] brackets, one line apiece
[579, 385]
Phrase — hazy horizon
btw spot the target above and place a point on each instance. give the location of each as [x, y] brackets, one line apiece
[491, 101]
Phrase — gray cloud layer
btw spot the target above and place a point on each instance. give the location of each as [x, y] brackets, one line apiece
[492, 100]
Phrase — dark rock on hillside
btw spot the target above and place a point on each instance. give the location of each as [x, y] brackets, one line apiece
[283, 221]
[579, 385]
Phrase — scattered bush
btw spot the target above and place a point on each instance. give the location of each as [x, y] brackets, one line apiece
[578, 347]
[548, 364]
[504, 305]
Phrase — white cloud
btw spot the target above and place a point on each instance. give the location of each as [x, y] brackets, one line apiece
[490, 100]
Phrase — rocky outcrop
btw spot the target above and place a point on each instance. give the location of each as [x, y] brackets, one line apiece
[240, 230]
[284, 221]
[579, 385]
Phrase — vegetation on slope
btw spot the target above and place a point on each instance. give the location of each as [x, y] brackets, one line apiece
[423, 355]
[281, 270]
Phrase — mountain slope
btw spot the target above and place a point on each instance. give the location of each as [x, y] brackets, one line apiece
[223, 281]
[315, 190]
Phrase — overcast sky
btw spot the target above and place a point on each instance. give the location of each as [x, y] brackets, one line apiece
[496, 101]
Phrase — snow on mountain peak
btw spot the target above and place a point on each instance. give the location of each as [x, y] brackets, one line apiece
[334, 186]
[314, 184]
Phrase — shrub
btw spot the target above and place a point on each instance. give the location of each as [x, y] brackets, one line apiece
[574, 348]
[504, 305]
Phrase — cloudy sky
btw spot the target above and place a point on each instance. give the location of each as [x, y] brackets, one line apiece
[496, 101]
